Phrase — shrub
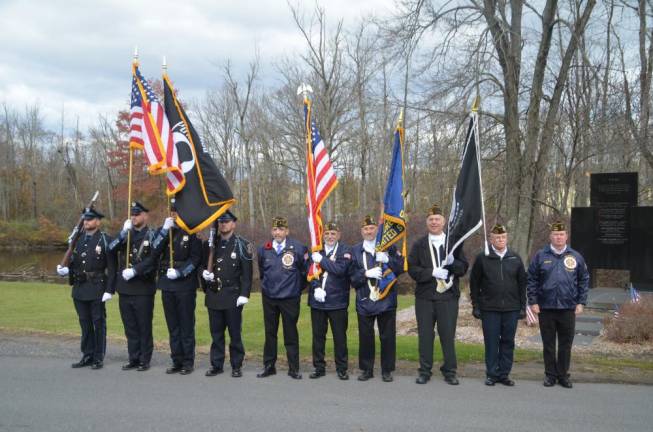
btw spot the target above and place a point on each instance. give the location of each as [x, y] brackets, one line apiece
[633, 323]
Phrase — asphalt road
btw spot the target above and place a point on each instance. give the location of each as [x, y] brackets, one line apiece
[40, 392]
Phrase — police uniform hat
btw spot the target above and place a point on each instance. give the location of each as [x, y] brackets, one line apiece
[227, 217]
[138, 208]
[331, 226]
[91, 213]
[498, 229]
[558, 226]
[435, 210]
[368, 220]
[279, 222]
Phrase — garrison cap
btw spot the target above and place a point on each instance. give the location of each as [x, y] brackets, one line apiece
[435, 209]
[558, 226]
[368, 220]
[331, 226]
[279, 222]
[498, 229]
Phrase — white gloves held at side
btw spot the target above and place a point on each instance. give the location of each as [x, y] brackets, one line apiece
[320, 295]
[208, 276]
[106, 297]
[440, 273]
[316, 257]
[168, 223]
[62, 271]
[128, 273]
[172, 274]
[241, 300]
[374, 273]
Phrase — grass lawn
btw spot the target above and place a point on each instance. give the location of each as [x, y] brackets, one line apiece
[48, 308]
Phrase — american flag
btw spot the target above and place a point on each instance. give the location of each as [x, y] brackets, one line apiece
[149, 131]
[320, 179]
[531, 318]
[634, 295]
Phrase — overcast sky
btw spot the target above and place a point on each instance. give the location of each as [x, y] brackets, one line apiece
[77, 53]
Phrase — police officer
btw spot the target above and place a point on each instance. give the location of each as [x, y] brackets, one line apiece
[282, 268]
[558, 282]
[329, 300]
[178, 283]
[135, 283]
[227, 291]
[437, 293]
[91, 274]
[365, 274]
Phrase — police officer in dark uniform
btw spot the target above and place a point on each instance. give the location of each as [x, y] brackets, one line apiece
[91, 274]
[136, 285]
[178, 283]
[282, 268]
[227, 291]
[365, 275]
[329, 300]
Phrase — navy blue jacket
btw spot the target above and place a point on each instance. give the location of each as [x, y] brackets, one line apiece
[92, 267]
[140, 258]
[364, 305]
[187, 256]
[283, 276]
[337, 281]
[557, 281]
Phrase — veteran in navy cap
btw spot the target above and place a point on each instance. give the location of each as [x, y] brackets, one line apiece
[135, 282]
[228, 285]
[91, 274]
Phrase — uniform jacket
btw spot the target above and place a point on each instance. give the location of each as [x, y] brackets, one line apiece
[557, 281]
[498, 284]
[364, 305]
[420, 268]
[283, 276]
[233, 267]
[141, 259]
[92, 267]
[337, 282]
[187, 256]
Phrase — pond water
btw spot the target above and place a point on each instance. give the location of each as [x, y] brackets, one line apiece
[30, 261]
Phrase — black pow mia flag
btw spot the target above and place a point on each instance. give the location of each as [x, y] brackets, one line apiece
[206, 194]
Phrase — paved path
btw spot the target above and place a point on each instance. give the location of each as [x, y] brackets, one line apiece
[40, 392]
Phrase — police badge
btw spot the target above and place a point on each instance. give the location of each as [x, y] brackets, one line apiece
[570, 262]
[287, 260]
[98, 249]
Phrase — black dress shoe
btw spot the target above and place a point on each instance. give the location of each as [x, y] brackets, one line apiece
[549, 382]
[365, 375]
[187, 370]
[564, 382]
[236, 372]
[343, 375]
[387, 376]
[422, 379]
[129, 366]
[143, 367]
[489, 382]
[97, 365]
[507, 382]
[317, 373]
[82, 363]
[267, 372]
[174, 369]
[214, 371]
[294, 374]
[451, 380]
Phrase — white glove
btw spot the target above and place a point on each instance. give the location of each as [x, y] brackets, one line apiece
[316, 257]
[106, 297]
[241, 300]
[168, 223]
[127, 225]
[172, 274]
[440, 273]
[382, 257]
[128, 273]
[319, 294]
[62, 271]
[208, 276]
[449, 260]
[374, 273]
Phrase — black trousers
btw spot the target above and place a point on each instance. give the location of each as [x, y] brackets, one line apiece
[136, 313]
[499, 330]
[179, 309]
[320, 321]
[288, 309]
[557, 324]
[387, 324]
[445, 315]
[93, 322]
[232, 320]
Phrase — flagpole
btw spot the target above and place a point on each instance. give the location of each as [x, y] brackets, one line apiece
[402, 135]
[164, 69]
[475, 107]
[131, 165]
